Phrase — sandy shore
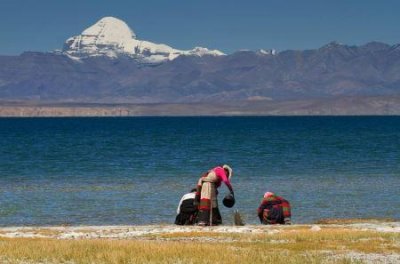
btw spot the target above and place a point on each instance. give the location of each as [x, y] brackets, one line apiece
[142, 232]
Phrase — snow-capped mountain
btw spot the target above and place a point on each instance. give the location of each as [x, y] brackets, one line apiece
[112, 37]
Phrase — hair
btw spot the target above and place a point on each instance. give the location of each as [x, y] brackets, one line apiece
[193, 190]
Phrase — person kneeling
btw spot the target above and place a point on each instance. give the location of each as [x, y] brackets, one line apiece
[186, 211]
[274, 210]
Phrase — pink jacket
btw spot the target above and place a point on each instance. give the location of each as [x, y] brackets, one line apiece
[220, 172]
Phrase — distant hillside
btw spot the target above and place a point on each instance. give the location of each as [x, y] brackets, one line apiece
[333, 70]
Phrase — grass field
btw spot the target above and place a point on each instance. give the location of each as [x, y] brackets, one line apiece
[294, 244]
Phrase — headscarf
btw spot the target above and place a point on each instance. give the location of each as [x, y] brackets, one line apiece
[229, 169]
[268, 194]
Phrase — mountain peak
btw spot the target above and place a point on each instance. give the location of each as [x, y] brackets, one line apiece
[110, 28]
[266, 51]
[375, 46]
[332, 45]
[112, 37]
[108, 36]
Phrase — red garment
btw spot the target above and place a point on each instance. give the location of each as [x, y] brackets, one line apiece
[274, 210]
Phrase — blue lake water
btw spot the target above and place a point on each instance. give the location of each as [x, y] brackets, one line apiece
[106, 171]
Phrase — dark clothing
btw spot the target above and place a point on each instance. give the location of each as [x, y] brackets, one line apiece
[204, 216]
[187, 214]
[274, 210]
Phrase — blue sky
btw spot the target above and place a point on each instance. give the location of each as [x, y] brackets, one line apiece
[43, 25]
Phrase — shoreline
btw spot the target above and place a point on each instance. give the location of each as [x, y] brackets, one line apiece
[140, 231]
[357, 242]
[336, 106]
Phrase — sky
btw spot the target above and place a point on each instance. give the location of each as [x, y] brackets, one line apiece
[44, 25]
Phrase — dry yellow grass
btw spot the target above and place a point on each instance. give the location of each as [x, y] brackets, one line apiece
[291, 245]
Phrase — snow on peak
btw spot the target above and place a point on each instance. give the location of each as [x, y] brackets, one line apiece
[112, 37]
[199, 51]
[266, 52]
[109, 36]
[110, 29]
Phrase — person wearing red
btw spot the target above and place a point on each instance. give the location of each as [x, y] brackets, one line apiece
[206, 194]
[274, 210]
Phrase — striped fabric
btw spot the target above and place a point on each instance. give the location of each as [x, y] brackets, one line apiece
[206, 189]
[274, 210]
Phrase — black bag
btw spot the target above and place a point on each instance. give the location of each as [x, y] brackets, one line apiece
[188, 213]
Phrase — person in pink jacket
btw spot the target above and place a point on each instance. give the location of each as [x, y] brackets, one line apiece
[206, 194]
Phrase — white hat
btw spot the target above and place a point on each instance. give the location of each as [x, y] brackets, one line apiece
[268, 194]
[229, 169]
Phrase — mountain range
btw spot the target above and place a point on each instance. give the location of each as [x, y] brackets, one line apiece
[108, 64]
